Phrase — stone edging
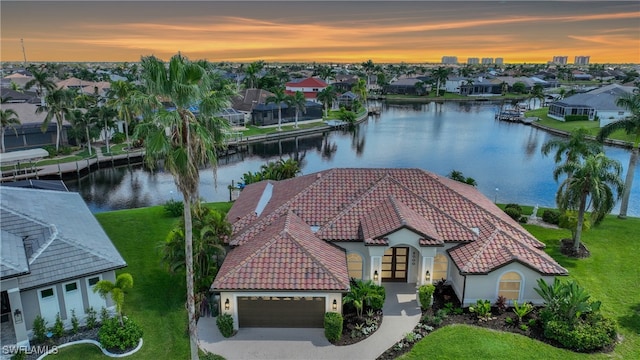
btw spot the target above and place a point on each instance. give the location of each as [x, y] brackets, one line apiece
[104, 351]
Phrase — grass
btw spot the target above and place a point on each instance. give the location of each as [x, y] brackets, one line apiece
[611, 275]
[253, 130]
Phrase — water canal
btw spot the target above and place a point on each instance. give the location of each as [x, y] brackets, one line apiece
[504, 158]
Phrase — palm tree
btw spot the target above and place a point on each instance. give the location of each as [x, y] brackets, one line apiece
[537, 92]
[123, 282]
[631, 125]
[278, 97]
[58, 105]
[182, 140]
[327, 96]
[588, 186]
[576, 147]
[122, 96]
[299, 102]
[360, 89]
[42, 80]
[440, 74]
[252, 73]
[9, 119]
[84, 126]
[106, 115]
[368, 67]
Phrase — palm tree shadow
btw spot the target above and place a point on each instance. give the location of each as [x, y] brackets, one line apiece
[631, 320]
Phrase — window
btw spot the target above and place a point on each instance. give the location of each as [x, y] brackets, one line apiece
[354, 265]
[440, 266]
[509, 286]
[93, 280]
[71, 287]
[46, 293]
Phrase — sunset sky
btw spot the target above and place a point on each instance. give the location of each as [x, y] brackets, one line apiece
[328, 31]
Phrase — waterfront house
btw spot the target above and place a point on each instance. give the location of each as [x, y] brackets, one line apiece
[310, 87]
[599, 103]
[53, 252]
[297, 242]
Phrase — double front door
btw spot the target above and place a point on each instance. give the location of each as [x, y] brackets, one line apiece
[395, 264]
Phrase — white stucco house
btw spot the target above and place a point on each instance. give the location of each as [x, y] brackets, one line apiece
[310, 87]
[297, 242]
[53, 252]
[599, 103]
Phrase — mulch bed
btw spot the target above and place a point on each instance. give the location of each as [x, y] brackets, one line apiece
[566, 248]
[83, 334]
[350, 320]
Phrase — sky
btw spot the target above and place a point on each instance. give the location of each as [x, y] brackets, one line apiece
[320, 31]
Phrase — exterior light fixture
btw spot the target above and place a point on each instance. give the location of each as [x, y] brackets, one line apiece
[427, 276]
[375, 275]
[335, 304]
[17, 316]
[226, 304]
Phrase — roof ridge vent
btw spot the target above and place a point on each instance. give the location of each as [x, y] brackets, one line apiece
[264, 198]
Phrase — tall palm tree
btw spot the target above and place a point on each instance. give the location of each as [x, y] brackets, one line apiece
[106, 115]
[327, 96]
[42, 80]
[182, 141]
[298, 101]
[122, 97]
[631, 125]
[84, 126]
[369, 68]
[278, 98]
[58, 105]
[9, 119]
[440, 74]
[537, 92]
[360, 89]
[576, 147]
[252, 72]
[589, 186]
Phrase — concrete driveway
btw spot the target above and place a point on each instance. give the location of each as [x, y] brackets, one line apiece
[401, 314]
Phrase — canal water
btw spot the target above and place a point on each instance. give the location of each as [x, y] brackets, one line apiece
[504, 158]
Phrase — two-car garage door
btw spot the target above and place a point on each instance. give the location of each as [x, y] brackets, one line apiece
[272, 311]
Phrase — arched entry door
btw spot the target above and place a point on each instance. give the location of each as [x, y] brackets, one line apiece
[395, 264]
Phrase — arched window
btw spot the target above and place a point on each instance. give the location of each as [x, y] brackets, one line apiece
[354, 265]
[509, 286]
[440, 266]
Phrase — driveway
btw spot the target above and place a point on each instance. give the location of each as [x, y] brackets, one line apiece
[401, 314]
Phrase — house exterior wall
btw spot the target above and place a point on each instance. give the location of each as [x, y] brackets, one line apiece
[609, 116]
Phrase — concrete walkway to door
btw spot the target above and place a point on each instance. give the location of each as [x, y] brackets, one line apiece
[401, 314]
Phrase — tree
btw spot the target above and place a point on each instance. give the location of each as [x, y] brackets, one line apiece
[278, 98]
[440, 74]
[182, 140]
[576, 147]
[273, 170]
[518, 87]
[123, 282]
[538, 93]
[9, 119]
[327, 96]
[298, 101]
[58, 105]
[84, 126]
[106, 115]
[43, 82]
[123, 97]
[360, 89]
[458, 176]
[368, 67]
[252, 72]
[631, 125]
[589, 185]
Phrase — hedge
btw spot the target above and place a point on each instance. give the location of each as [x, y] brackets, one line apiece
[333, 326]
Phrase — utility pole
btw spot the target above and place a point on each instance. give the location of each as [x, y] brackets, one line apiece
[24, 54]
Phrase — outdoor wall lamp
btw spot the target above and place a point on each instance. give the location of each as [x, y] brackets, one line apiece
[375, 275]
[335, 304]
[226, 304]
[427, 276]
[17, 316]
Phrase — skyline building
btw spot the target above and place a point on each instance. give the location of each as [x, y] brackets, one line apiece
[560, 60]
[499, 61]
[487, 61]
[581, 60]
[449, 59]
[473, 61]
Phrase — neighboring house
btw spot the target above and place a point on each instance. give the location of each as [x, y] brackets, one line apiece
[346, 99]
[406, 86]
[267, 114]
[246, 101]
[310, 87]
[19, 78]
[344, 83]
[600, 103]
[297, 242]
[53, 252]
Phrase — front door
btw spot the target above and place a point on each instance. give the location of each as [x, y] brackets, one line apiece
[394, 264]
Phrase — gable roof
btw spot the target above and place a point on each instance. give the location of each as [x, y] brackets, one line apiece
[311, 82]
[60, 237]
[286, 256]
[366, 205]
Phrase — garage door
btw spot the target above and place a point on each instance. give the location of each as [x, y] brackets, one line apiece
[266, 311]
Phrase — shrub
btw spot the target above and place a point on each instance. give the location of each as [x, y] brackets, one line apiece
[75, 324]
[333, 326]
[482, 309]
[522, 310]
[524, 327]
[104, 315]
[513, 213]
[501, 304]
[508, 320]
[51, 150]
[173, 208]
[20, 355]
[118, 138]
[425, 294]
[58, 327]
[39, 328]
[113, 336]
[91, 317]
[225, 325]
[568, 118]
[585, 336]
[377, 297]
[210, 356]
[513, 206]
[551, 217]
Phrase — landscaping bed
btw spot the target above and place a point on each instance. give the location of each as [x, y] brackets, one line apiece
[356, 329]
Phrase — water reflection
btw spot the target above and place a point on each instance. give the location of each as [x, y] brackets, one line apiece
[436, 137]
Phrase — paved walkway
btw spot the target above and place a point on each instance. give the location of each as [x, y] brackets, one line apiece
[401, 314]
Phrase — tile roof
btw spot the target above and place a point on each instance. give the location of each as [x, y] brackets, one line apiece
[60, 237]
[286, 256]
[308, 82]
[366, 205]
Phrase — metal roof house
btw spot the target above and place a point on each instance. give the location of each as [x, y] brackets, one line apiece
[53, 252]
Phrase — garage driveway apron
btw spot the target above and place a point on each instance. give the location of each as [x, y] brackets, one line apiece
[401, 314]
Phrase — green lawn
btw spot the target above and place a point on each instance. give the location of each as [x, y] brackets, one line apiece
[256, 130]
[611, 275]
[592, 126]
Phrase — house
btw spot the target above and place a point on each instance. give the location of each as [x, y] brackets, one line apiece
[267, 114]
[310, 87]
[53, 252]
[297, 242]
[600, 103]
[347, 99]
[406, 86]
[344, 82]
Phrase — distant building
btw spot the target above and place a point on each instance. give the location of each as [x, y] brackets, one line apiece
[581, 60]
[487, 61]
[473, 61]
[449, 59]
[499, 61]
[560, 60]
